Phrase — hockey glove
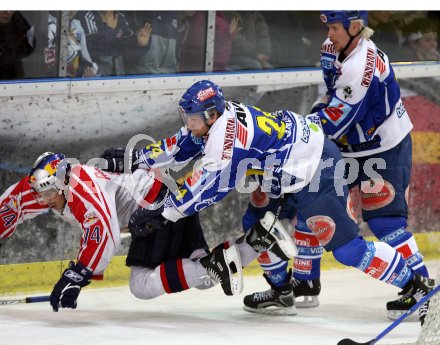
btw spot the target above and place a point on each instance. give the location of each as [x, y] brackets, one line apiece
[115, 159]
[145, 221]
[66, 291]
[320, 104]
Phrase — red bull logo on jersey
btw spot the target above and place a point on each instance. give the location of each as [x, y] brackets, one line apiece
[205, 94]
[376, 193]
[90, 218]
[323, 227]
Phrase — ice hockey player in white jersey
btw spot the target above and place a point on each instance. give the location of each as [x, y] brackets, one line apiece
[362, 112]
[297, 161]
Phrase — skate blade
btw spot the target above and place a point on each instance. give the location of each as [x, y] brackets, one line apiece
[233, 260]
[288, 311]
[308, 302]
[284, 240]
[395, 314]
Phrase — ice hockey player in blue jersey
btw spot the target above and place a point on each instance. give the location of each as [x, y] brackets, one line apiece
[298, 163]
[363, 114]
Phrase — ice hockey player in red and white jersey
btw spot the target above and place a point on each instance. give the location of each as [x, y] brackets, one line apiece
[164, 258]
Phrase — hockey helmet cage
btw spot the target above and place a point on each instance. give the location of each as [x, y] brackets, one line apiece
[49, 171]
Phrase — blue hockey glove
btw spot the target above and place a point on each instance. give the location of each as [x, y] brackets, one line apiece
[115, 159]
[66, 291]
[145, 221]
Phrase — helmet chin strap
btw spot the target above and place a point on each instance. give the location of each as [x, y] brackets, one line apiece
[342, 53]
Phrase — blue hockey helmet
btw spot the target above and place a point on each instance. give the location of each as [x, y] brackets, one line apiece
[344, 17]
[202, 97]
[49, 172]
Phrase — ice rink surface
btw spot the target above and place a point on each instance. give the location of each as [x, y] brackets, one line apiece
[352, 306]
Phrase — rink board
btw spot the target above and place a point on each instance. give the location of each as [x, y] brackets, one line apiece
[41, 276]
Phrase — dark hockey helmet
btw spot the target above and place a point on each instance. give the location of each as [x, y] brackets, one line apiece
[200, 98]
[344, 17]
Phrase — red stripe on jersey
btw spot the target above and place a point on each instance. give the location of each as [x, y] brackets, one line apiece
[88, 249]
[97, 256]
[181, 273]
[85, 177]
[78, 186]
[153, 192]
[163, 277]
[242, 134]
[17, 201]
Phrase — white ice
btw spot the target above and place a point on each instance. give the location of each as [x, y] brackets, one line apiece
[352, 306]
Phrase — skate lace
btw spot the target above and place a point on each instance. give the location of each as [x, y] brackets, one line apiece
[264, 295]
[214, 275]
[206, 280]
[296, 282]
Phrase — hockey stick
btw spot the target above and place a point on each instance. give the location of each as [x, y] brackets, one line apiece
[25, 300]
[396, 322]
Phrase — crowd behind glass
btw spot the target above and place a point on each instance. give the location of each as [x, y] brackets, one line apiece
[108, 43]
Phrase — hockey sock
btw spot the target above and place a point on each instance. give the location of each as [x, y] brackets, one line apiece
[274, 268]
[169, 277]
[377, 259]
[392, 230]
[307, 264]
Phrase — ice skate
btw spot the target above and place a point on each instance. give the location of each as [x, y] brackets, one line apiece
[275, 301]
[269, 235]
[224, 267]
[413, 291]
[309, 289]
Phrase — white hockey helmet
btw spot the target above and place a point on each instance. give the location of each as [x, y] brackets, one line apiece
[49, 171]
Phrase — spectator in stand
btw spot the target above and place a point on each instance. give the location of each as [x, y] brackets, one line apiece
[288, 39]
[251, 48]
[154, 51]
[192, 40]
[16, 42]
[108, 33]
[421, 40]
[387, 33]
[79, 61]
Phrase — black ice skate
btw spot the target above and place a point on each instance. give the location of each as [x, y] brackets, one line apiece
[412, 292]
[309, 289]
[269, 235]
[275, 301]
[224, 267]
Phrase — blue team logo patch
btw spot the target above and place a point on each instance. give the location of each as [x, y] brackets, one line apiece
[337, 111]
